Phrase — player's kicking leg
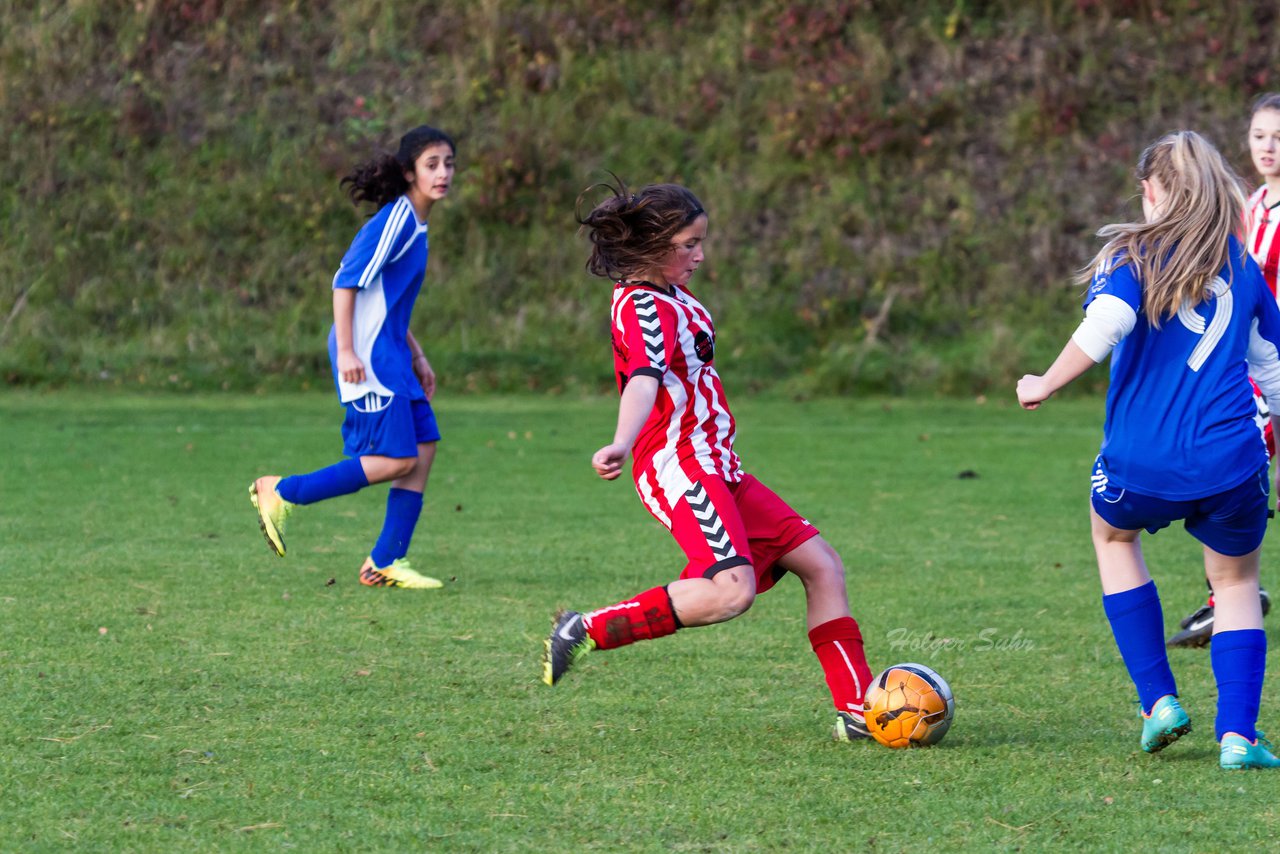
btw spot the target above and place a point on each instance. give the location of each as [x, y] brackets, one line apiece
[833, 634]
[717, 584]
[648, 616]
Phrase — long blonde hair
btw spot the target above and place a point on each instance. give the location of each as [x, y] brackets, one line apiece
[1181, 250]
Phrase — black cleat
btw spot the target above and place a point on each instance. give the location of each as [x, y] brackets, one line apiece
[567, 643]
[1197, 627]
[850, 727]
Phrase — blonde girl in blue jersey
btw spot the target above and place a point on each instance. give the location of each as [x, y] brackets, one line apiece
[1185, 316]
[383, 378]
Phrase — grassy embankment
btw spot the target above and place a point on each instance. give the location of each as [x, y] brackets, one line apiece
[898, 198]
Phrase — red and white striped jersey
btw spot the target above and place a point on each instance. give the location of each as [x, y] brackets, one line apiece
[670, 336]
[1262, 217]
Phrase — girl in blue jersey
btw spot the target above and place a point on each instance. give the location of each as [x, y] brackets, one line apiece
[1186, 316]
[383, 378]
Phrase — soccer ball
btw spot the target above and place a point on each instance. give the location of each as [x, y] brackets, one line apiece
[909, 705]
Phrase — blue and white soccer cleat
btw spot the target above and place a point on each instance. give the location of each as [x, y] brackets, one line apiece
[1239, 753]
[1166, 724]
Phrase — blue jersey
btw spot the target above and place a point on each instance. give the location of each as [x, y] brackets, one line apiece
[386, 264]
[1180, 413]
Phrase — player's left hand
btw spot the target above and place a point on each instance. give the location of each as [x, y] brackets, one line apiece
[608, 460]
[1032, 392]
[426, 376]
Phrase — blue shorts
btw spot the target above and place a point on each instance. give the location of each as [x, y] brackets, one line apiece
[1232, 522]
[387, 426]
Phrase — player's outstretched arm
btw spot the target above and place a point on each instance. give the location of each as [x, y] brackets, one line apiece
[633, 410]
[1034, 389]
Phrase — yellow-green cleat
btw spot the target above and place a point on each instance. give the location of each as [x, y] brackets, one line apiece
[399, 574]
[272, 511]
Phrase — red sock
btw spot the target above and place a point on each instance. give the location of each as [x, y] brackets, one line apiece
[643, 617]
[838, 645]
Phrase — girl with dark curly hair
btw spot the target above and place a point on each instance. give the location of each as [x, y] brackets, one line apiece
[674, 420]
[384, 379]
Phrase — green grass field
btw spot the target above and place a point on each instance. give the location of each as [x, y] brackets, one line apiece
[168, 684]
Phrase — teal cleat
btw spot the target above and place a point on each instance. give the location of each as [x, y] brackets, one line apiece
[1239, 753]
[1166, 724]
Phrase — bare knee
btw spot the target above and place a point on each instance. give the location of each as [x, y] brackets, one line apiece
[382, 469]
[734, 604]
[829, 568]
[398, 467]
[815, 563]
[735, 590]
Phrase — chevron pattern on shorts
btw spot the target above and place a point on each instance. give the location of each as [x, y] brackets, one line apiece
[709, 520]
[650, 328]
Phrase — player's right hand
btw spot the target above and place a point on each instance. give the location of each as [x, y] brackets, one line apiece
[608, 460]
[350, 368]
[1032, 391]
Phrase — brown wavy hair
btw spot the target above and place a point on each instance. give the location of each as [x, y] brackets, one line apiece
[632, 232]
[1181, 250]
[1265, 101]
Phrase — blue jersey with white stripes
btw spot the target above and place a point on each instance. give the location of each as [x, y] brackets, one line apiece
[385, 264]
[1180, 413]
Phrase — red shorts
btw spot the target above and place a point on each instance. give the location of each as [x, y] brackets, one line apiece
[720, 525]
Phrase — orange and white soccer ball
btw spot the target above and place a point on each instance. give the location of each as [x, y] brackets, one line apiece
[909, 705]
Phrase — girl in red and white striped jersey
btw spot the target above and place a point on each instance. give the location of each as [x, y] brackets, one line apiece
[1262, 213]
[674, 419]
[1262, 221]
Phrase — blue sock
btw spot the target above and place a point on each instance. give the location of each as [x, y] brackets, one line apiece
[341, 478]
[1138, 625]
[403, 508]
[1239, 662]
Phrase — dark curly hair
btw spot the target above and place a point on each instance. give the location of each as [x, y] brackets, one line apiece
[632, 232]
[381, 180]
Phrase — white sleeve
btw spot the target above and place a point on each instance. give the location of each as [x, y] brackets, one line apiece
[1264, 366]
[1107, 320]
